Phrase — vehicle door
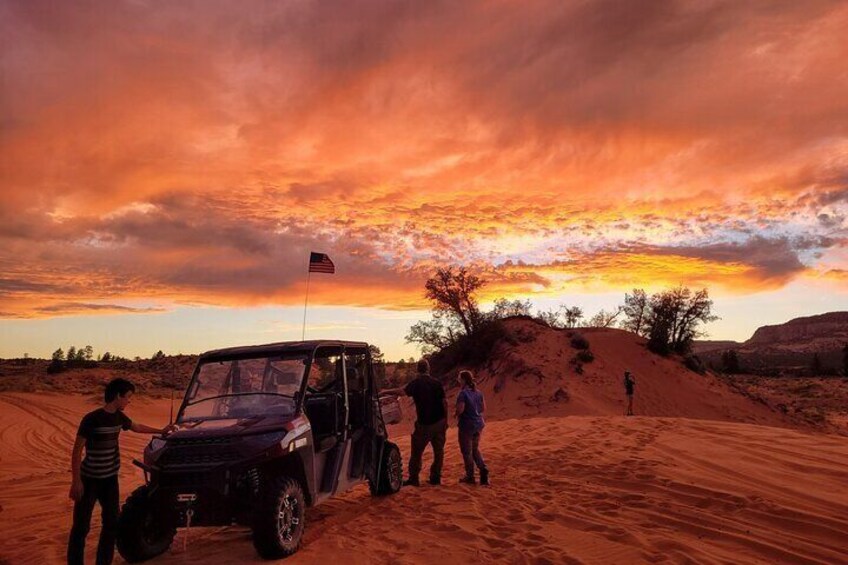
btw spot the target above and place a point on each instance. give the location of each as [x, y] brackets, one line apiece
[325, 401]
[359, 425]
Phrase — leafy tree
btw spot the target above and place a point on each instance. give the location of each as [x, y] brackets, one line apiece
[673, 318]
[730, 362]
[158, 355]
[72, 354]
[691, 310]
[659, 334]
[504, 308]
[57, 362]
[636, 307]
[378, 362]
[455, 309]
[431, 335]
[106, 357]
[453, 292]
[377, 356]
[571, 316]
[87, 353]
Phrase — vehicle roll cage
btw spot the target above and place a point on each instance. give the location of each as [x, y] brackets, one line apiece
[310, 348]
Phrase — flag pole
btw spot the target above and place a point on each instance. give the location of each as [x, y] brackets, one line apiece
[305, 302]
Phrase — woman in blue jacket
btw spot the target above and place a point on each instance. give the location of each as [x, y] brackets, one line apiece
[470, 406]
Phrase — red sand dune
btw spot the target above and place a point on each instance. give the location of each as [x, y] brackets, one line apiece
[703, 475]
[529, 374]
[566, 490]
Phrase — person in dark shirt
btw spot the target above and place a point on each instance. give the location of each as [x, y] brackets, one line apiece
[629, 385]
[470, 405]
[95, 478]
[431, 425]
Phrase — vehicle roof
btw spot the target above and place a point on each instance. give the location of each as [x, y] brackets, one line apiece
[279, 347]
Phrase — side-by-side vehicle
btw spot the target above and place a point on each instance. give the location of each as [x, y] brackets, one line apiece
[263, 433]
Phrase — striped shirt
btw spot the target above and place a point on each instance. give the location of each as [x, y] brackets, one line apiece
[101, 430]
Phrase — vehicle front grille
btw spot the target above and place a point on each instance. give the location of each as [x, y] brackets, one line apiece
[201, 441]
[199, 455]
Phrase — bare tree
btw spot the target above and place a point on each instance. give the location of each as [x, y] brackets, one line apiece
[550, 317]
[605, 318]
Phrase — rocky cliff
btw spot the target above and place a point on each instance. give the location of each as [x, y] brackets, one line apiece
[808, 345]
[803, 332]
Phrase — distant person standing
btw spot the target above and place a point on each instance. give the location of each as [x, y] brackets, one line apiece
[470, 405]
[629, 385]
[431, 408]
[95, 478]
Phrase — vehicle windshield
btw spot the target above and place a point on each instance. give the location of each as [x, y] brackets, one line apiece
[244, 388]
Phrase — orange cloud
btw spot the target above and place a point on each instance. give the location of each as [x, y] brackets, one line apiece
[196, 153]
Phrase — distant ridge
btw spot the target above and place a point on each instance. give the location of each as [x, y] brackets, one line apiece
[790, 348]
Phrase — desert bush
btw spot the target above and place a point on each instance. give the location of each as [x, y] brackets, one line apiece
[694, 363]
[579, 341]
[585, 356]
[470, 350]
[578, 368]
[525, 335]
[730, 362]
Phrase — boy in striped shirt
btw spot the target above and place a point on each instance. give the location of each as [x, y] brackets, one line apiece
[95, 478]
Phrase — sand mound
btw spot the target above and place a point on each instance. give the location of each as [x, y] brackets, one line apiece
[566, 490]
[531, 374]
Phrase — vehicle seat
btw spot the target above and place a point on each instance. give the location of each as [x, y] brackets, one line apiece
[322, 411]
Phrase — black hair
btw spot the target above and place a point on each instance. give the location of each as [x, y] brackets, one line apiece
[117, 387]
[424, 367]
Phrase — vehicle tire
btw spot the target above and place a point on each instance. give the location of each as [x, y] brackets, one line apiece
[280, 519]
[391, 472]
[142, 534]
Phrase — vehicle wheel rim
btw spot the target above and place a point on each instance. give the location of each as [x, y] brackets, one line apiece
[395, 471]
[288, 518]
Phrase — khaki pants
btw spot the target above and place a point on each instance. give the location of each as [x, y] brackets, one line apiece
[433, 434]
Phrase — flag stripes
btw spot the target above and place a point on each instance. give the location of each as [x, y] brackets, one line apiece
[321, 263]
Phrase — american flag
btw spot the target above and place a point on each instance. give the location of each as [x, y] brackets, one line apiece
[320, 263]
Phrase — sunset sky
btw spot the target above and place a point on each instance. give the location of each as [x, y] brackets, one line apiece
[166, 167]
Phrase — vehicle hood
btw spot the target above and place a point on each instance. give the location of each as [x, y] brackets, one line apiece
[230, 427]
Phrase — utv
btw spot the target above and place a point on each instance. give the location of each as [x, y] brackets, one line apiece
[264, 432]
